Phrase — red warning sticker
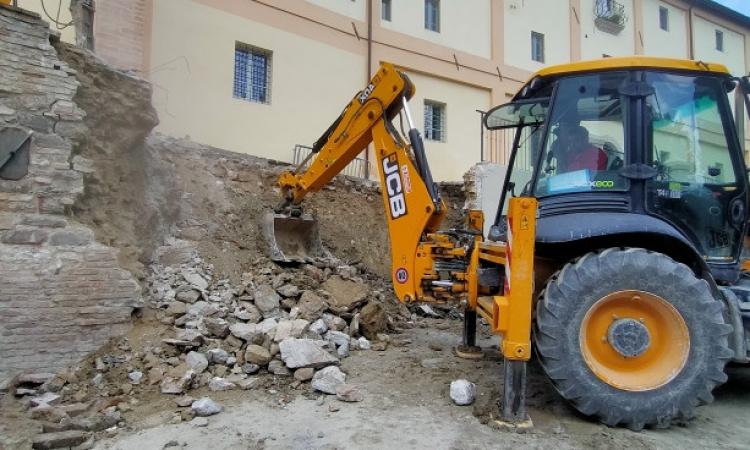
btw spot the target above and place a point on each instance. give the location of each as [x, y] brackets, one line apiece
[402, 275]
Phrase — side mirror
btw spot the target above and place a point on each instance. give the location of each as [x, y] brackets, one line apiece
[714, 171]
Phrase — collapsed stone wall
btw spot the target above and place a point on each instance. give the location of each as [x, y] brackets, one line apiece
[62, 293]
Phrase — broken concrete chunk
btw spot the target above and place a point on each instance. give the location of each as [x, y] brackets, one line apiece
[319, 327]
[195, 280]
[176, 386]
[267, 300]
[328, 379]
[205, 407]
[288, 290]
[345, 295]
[463, 392]
[337, 337]
[218, 356]
[363, 343]
[304, 374]
[244, 331]
[217, 327]
[248, 383]
[184, 401]
[250, 368]
[298, 353]
[257, 355]
[277, 367]
[343, 350]
[290, 328]
[335, 323]
[311, 306]
[196, 361]
[220, 384]
[248, 312]
[61, 439]
[135, 377]
[176, 309]
[187, 294]
[48, 398]
[349, 393]
[373, 320]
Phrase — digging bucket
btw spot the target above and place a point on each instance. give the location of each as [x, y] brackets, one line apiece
[292, 239]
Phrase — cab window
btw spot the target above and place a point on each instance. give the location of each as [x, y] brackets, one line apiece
[585, 144]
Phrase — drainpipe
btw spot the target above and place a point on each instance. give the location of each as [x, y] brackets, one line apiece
[369, 74]
[690, 31]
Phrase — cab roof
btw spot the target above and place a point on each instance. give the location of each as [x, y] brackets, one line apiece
[631, 62]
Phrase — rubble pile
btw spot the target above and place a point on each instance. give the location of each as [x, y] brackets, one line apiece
[281, 328]
[284, 321]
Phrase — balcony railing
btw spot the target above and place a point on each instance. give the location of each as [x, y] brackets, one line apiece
[610, 16]
[358, 168]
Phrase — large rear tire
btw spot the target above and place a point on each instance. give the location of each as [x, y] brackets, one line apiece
[631, 337]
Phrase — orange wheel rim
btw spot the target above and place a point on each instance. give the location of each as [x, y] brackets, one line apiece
[634, 340]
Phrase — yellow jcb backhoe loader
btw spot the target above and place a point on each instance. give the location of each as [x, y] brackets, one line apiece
[623, 209]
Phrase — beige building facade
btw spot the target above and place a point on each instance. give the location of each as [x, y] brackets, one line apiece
[261, 76]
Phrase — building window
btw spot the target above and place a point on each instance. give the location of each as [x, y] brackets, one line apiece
[537, 46]
[252, 73]
[385, 10]
[432, 15]
[663, 18]
[719, 40]
[434, 121]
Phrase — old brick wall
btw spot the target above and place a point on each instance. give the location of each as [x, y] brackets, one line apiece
[62, 294]
[122, 32]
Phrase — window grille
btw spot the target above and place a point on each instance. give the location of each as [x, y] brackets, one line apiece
[537, 46]
[663, 18]
[432, 15]
[434, 121]
[385, 10]
[252, 73]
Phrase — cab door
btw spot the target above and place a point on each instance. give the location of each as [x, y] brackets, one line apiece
[700, 185]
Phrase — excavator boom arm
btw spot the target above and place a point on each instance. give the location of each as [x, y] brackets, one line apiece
[411, 201]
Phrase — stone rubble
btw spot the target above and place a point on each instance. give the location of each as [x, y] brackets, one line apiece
[278, 327]
[463, 392]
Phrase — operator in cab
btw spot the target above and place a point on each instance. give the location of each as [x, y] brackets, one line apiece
[574, 151]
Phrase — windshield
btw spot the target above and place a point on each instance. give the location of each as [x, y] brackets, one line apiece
[585, 145]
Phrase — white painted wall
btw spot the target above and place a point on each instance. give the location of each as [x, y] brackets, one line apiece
[192, 64]
[733, 55]
[595, 42]
[549, 18]
[657, 42]
[449, 160]
[356, 9]
[464, 24]
[59, 10]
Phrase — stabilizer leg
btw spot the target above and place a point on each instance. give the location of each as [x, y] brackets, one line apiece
[514, 415]
[468, 348]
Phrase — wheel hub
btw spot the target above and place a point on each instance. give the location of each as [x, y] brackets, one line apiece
[634, 340]
[628, 337]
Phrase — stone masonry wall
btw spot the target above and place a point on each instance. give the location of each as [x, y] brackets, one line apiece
[62, 294]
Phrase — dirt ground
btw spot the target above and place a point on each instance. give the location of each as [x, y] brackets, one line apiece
[407, 406]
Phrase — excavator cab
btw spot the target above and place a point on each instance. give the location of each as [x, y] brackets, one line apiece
[642, 189]
[646, 150]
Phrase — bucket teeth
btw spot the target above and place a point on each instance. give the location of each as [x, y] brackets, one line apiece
[292, 239]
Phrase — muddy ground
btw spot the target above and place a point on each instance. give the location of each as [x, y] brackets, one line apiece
[406, 405]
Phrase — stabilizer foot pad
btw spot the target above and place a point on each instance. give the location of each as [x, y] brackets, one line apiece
[465, 352]
[520, 427]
